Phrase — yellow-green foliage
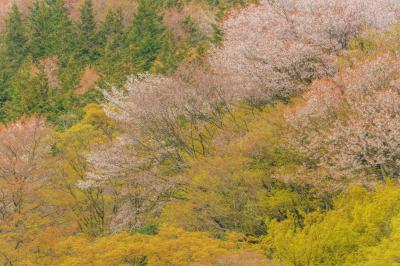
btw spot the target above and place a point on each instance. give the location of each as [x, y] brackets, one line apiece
[241, 194]
[385, 253]
[171, 246]
[71, 147]
[239, 184]
[94, 128]
[371, 43]
[362, 223]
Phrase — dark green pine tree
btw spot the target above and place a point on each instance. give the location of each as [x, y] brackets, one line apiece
[15, 38]
[88, 43]
[147, 35]
[62, 30]
[6, 74]
[32, 93]
[40, 30]
[52, 31]
[20, 83]
[111, 29]
[12, 52]
[113, 65]
[37, 99]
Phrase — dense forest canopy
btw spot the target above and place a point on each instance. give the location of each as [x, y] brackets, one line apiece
[191, 132]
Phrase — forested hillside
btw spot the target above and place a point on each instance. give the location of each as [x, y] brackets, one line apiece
[227, 132]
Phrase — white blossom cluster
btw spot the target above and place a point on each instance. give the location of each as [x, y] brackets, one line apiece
[24, 147]
[350, 123]
[276, 48]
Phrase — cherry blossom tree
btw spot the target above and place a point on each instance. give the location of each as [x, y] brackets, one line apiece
[161, 118]
[370, 139]
[349, 124]
[131, 179]
[276, 48]
[24, 148]
[178, 112]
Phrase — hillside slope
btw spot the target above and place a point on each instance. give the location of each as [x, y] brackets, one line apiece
[100, 7]
[204, 133]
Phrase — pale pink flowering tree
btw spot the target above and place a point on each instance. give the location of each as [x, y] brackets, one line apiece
[175, 112]
[370, 139]
[160, 118]
[276, 48]
[130, 178]
[349, 124]
[24, 149]
[325, 96]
